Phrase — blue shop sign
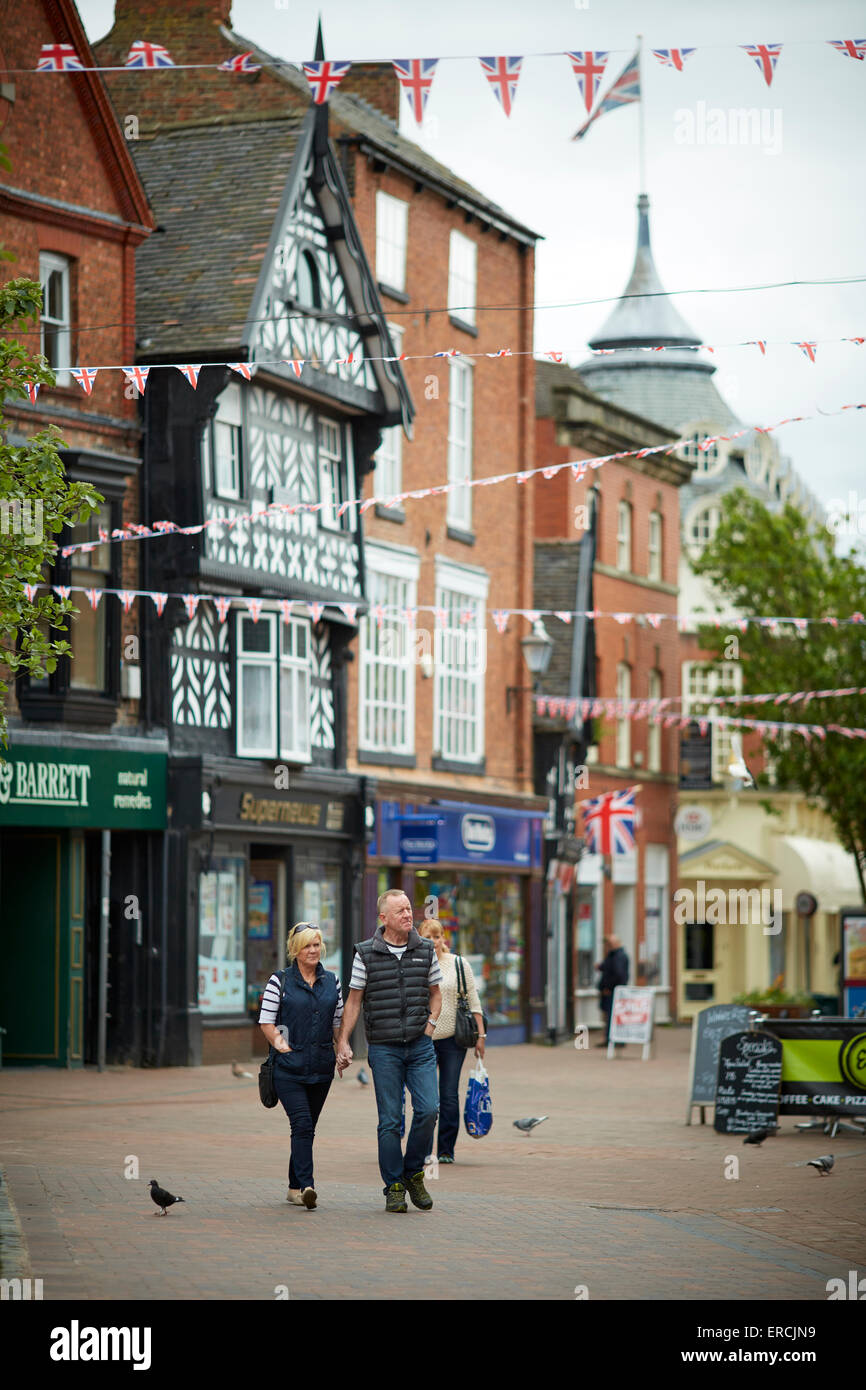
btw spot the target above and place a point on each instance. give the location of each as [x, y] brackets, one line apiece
[461, 834]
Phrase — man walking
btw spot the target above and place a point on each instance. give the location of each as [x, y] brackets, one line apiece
[397, 976]
[614, 971]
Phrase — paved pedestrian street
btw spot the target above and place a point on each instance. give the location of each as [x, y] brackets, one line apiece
[613, 1197]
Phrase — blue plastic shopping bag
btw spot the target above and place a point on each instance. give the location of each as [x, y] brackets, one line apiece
[478, 1110]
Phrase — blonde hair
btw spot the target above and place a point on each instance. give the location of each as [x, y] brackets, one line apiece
[434, 922]
[302, 934]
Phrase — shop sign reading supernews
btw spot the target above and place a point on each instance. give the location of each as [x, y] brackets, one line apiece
[74, 787]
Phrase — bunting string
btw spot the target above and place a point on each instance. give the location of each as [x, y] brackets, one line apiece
[549, 706]
[138, 532]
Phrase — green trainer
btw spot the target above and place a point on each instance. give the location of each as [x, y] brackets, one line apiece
[418, 1192]
[395, 1197]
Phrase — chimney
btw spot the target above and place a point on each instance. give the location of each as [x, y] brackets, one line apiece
[376, 83]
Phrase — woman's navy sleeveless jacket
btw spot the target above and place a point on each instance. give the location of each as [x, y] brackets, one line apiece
[307, 1014]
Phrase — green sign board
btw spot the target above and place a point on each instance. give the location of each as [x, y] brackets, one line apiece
[72, 786]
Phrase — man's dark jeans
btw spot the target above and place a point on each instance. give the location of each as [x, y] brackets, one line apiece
[395, 1066]
[450, 1058]
[302, 1103]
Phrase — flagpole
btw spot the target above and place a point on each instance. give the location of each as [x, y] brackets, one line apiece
[641, 122]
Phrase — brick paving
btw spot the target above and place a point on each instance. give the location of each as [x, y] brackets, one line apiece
[613, 1192]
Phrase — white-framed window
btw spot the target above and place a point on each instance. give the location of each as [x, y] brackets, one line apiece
[705, 460]
[55, 322]
[272, 706]
[654, 559]
[654, 731]
[623, 725]
[459, 509]
[386, 679]
[700, 686]
[623, 536]
[703, 525]
[462, 276]
[388, 478]
[392, 226]
[222, 446]
[333, 473]
[460, 653]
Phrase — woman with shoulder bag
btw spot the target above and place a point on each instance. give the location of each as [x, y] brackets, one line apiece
[457, 1017]
[301, 1012]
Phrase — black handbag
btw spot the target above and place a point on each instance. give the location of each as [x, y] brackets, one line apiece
[465, 1027]
[267, 1089]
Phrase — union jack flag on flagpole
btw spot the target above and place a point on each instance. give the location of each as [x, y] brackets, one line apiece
[243, 62]
[609, 821]
[588, 67]
[502, 74]
[766, 55]
[324, 77]
[854, 48]
[148, 55]
[415, 76]
[673, 57]
[625, 89]
[58, 57]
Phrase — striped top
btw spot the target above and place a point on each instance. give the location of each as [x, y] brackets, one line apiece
[271, 1003]
[359, 969]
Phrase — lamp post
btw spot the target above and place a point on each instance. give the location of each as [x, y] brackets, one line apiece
[537, 651]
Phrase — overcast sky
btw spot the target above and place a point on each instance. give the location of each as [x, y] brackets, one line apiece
[790, 207]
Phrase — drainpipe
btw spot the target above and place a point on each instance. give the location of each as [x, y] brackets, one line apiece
[103, 950]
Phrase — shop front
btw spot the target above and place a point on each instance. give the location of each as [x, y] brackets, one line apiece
[478, 868]
[80, 830]
[259, 860]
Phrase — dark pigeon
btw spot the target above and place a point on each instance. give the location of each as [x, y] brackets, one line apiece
[823, 1163]
[759, 1136]
[161, 1197]
[529, 1124]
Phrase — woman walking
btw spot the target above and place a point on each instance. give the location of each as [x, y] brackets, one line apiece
[450, 1057]
[300, 1017]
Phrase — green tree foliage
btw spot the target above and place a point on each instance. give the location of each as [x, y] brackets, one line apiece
[36, 503]
[776, 564]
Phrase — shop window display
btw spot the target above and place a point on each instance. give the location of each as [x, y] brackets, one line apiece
[483, 919]
[221, 923]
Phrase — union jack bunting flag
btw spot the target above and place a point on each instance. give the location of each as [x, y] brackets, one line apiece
[58, 57]
[137, 377]
[415, 76]
[609, 821]
[159, 601]
[759, 343]
[242, 63]
[855, 48]
[588, 67]
[324, 77]
[810, 349]
[673, 57]
[243, 369]
[191, 374]
[766, 55]
[85, 376]
[502, 74]
[625, 89]
[148, 55]
[32, 389]
[223, 605]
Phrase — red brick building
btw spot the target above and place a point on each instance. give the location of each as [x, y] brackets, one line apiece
[628, 512]
[72, 212]
[425, 710]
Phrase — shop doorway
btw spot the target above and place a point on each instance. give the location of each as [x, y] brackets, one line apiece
[267, 925]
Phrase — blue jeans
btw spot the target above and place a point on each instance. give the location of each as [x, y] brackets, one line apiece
[413, 1065]
[450, 1058]
[302, 1102]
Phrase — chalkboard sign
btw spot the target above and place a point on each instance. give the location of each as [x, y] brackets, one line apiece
[708, 1029]
[747, 1088]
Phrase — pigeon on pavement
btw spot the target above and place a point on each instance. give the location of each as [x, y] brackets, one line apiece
[758, 1137]
[161, 1197]
[363, 1077]
[529, 1124]
[238, 1070]
[823, 1163]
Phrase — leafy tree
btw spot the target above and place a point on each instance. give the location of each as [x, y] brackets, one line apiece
[36, 503]
[776, 564]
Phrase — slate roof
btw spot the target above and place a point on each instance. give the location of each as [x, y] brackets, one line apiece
[216, 190]
[671, 396]
[638, 320]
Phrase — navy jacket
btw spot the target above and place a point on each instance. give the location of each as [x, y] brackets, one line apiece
[614, 970]
[307, 1013]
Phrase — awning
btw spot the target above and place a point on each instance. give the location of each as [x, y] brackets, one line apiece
[821, 867]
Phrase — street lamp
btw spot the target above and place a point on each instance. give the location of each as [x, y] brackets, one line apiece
[537, 651]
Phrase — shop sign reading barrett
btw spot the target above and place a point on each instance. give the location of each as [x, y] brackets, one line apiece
[74, 787]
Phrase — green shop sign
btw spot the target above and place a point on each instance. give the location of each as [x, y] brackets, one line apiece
[71, 786]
